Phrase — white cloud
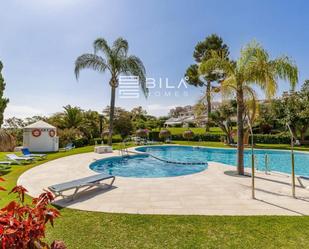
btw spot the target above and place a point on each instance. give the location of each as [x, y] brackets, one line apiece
[21, 111]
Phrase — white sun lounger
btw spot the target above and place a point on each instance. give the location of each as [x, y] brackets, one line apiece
[5, 163]
[19, 159]
[87, 182]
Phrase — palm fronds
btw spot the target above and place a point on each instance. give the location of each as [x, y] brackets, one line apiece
[92, 61]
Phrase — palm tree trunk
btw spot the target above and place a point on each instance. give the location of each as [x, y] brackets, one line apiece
[208, 99]
[111, 115]
[240, 130]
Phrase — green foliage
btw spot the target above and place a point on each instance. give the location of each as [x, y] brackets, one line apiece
[90, 123]
[154, 136]
[68, 135]
[203, 52]
[80, 142]
[72, 116]
[271, 139]
[123, 124]
[296, 111]
[222, 117]
[3, 101]
[254, 67]
[199, 137]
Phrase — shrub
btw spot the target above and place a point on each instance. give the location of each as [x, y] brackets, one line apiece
[23, 226]
[7, 141]
[271, 139]
[68, 135]
[105, 133]
[188, 134]
[143, 133]
[164, 134]
[200, 137]
[81, 142]
[154, 135]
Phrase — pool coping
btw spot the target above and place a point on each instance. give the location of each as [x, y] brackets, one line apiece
[210, 147]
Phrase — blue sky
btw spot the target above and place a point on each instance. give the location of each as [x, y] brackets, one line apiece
[40, 40]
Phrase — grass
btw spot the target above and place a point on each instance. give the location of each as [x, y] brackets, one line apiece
[92, 230]
[81, 229]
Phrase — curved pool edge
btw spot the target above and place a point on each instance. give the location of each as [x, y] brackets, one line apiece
[136, 153]
[278, 159]
[211, 147]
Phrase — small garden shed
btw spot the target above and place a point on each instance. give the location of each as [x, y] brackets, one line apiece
[41, 137]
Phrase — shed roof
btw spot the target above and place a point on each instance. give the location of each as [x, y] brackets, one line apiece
[40, 125]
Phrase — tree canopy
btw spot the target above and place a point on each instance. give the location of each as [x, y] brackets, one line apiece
[3, 101]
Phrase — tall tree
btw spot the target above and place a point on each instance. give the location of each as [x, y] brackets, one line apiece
[202, 52]
[254, 67]
[72, 116]
[117, 62]
[222, 117]
[3, 101]
[294, 109]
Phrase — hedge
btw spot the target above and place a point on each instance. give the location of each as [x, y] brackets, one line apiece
[154, 136]
[271, 139]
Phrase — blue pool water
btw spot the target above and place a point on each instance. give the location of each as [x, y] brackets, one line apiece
[143, 166]
[147, 166]
[277, 160]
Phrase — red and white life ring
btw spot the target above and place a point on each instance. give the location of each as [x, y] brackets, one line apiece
[36, 133]
[52, 133]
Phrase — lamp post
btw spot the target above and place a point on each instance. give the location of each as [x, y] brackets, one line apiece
[292, 161]
[252, 161]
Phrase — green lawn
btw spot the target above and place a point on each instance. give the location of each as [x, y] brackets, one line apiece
[80, 229]
[90, 230]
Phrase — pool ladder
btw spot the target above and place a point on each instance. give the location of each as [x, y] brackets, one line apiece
[124, 150]
[266, 164]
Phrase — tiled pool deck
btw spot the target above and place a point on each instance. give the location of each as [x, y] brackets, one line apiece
[215, 191]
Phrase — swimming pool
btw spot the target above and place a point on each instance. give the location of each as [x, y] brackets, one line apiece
[144, 166]
[148, 166]
[278, 160]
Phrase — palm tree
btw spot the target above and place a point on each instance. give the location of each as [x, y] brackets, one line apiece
[117, 62]
[72, 116]
[202, 52]
[254, 67]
